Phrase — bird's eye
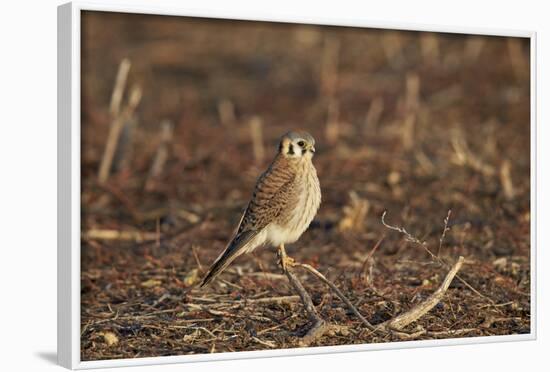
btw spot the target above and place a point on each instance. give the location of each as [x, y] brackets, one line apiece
[301, 143]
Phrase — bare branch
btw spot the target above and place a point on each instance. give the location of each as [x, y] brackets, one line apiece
[256, 135]
[445, 229]
[312, 270]
[114, 133]
[120, 84]
[319, 325]
[402, 230]
[442, 262]
[403, 320]
[161, 155]
[363, 273]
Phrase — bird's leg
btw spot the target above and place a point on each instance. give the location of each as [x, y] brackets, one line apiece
[284, 260]
[319, 326]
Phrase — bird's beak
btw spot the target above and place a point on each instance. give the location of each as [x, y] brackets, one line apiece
[312, 149]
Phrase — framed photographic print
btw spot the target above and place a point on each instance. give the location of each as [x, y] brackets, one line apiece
[235, 187]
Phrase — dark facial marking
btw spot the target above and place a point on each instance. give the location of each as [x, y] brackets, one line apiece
[290, 149]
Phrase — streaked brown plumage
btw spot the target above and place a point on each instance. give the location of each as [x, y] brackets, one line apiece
[285, 200]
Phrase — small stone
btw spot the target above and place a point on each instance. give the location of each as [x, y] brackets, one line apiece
[515, 269]
[110, 338]
[394, 178]
[343, 331]
[500, 263]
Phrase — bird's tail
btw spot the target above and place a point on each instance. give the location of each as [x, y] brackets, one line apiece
[233, 250]
[218, 266]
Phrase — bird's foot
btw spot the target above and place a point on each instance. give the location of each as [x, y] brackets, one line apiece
[287, 261]
[284, 260]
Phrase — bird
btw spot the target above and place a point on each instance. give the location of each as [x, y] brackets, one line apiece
[285, 200]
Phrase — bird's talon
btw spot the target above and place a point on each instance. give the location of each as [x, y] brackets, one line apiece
[289, 261]
[286, 261]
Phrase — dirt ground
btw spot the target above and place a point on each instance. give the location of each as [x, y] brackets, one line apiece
[415, 124]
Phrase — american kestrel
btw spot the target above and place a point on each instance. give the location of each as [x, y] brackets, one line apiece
[285, 200]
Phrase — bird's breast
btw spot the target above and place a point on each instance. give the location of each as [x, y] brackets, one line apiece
[301, 210]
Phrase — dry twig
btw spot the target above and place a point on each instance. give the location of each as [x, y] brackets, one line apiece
[463, 156]
[373, 115]
[332, 129]
[114, 134]
[403, 320]
[161, 155]
[256, 135]
[442, 262]
[506, 180]
[226, 112]
[328, 86]
[279, 300]
[392, 44]
[445, 229]
[120, 84]
[107, 234]
[319, 325]
[395, 324]
[354, 214]
[429, 45]
[339, 293]
[363, 272]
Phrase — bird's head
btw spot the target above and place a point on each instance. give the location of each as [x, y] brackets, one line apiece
[297, 145]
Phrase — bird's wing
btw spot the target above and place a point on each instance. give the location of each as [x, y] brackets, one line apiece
[271, 195]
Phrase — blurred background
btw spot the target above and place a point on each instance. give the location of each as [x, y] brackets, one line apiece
[181, 115]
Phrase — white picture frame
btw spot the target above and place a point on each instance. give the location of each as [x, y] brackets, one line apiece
[69, 185]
